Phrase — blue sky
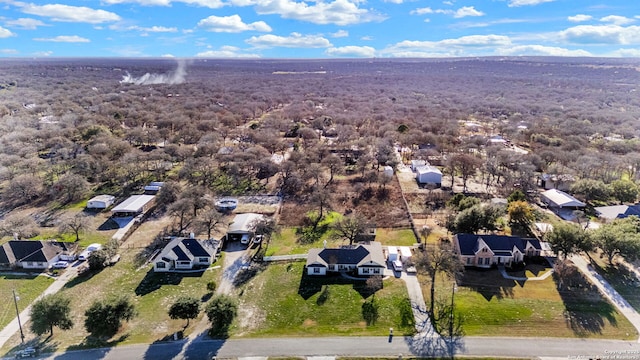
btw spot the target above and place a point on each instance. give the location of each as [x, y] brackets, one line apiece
[319, 29]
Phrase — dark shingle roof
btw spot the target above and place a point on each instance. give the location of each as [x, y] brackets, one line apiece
[344, 256]
[468, 243]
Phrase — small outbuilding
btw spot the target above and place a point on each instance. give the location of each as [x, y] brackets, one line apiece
[101, 202]
[428, 174]
[153, 188]
[134, 206]
[555, 198]
[241, 224]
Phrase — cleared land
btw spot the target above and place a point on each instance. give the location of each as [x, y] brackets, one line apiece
[286, 302]
[491, 304]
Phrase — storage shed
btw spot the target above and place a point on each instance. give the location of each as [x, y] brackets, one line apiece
[134, 205]
[101, 202]
[429, 175]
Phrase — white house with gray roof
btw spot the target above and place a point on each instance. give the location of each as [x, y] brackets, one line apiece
[365, 259]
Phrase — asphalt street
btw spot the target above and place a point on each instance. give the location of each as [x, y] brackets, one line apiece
[549, 348]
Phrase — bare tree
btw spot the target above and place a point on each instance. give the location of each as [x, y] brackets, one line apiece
[440, 258]
[209, 220]
[74, 224]
[349, 228]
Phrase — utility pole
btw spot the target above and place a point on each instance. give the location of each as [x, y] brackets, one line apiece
[15, 302]
[453, 292]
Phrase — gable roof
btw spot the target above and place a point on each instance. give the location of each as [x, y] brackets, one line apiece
[185, 249]
[133, 203]
[618, 211]
[424, 169]
[559, 198]
[350, 255]
[501, 245]
[28, 250]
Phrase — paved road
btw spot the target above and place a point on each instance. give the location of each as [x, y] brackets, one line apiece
[548, 348]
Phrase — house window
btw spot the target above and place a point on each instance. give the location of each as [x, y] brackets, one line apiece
[29, 263]
[468, 261]
[365, 270]
[203, 259]
[486, 261]
[184, 263]
[161, 265]
[316, 270]
[484, 250]
[332, 267]
[376, 271]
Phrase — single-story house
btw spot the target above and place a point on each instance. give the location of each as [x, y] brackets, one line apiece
[185, 254]
[487, 250]
[561, 182]
[242, 222]
[101, 202]
[617, 211]
[366, 259]
[428, 174]
[555, 198]
[134, 206]
[31, 254]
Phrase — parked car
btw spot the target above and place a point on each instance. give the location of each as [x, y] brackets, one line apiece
[245, 239]
[397, 265]
[257, 239]
[26, 353]
[60, 265]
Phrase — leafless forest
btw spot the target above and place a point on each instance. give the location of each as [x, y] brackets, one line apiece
[73, 128]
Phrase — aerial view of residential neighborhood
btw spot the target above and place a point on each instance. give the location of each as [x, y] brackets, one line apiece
[327, 209]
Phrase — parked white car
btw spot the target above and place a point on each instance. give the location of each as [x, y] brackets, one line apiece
[60, 265]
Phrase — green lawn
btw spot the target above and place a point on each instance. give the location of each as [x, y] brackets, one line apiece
[151, 293]
[623, 280]
[27, 289]
[398, 237]
[492, 305]
[287, 241]
[280, 301]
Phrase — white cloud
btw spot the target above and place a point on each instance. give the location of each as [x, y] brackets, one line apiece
[516, 3]
[602, 34]
[25, 23]
[155, 29]
[5, 33]
[351, 51]
[540, 50]
[65, 38]
[394, 1]
[617, 20]
[43, 53]
[212, 4]
[231, 24]
[8, 51]
[67, 13]
[460, 13]
[483, 44]
[338, 12]
[340, 34]
[467, 11]
[422, 11]
[367, 38]
[226, 52]
[167, 56]
[580, 18]
[295, 40]
[625, 53]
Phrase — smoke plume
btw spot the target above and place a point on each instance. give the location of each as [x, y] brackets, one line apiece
[176, 76]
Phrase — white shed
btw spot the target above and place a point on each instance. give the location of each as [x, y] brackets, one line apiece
[242, 222]
[428, 175]
[100, 202]
[134, 205]
[388, 171]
